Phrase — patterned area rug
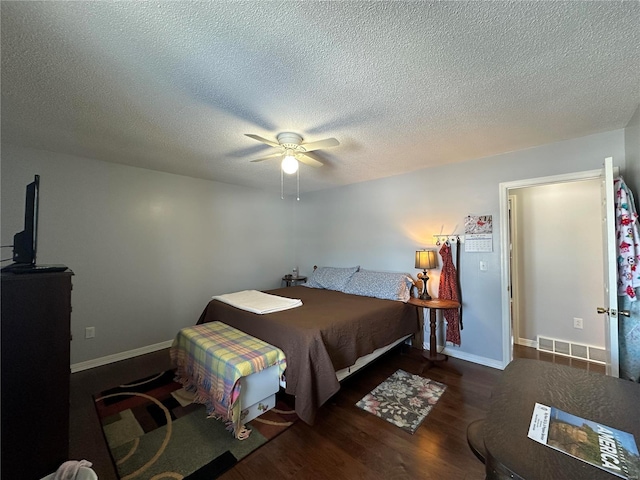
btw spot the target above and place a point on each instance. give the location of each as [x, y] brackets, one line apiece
[403, 399]
[154, 431]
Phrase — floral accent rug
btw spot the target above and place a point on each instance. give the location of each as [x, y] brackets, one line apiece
[403, 399]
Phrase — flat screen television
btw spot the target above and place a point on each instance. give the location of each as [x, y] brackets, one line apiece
[25, 243]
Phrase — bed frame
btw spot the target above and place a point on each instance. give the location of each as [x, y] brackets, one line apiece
[322, 347]
[362, 361]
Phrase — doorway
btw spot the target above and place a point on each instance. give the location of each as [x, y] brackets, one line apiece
[536, 292]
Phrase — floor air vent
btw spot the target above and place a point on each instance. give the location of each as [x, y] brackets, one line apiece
[573, 350]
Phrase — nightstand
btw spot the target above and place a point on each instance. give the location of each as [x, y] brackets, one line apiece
[290, 280]
[433, 305]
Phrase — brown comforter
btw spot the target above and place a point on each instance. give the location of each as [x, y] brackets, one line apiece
[328, 332]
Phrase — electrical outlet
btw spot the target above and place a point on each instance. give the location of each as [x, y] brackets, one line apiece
[90, 332]
[577, 323]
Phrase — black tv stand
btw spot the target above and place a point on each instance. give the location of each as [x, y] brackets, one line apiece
[30, 268]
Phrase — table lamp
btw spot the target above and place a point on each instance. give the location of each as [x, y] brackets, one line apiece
[426, 259]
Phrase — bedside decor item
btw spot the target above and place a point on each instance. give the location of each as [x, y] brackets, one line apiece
[425, 260]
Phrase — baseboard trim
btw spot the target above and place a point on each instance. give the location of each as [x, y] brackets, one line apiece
[116, 357]
[487, 362]
[527, 343]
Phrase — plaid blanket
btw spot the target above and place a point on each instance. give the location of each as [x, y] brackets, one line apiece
[210, 360]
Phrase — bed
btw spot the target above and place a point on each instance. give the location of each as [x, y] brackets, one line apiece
[329, 332]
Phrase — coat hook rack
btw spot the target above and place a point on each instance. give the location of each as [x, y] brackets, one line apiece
[449, 237]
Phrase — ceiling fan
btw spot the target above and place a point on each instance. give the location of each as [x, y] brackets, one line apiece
[291, 148]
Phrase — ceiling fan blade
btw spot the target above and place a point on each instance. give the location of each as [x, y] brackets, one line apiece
[263, 140]
[273, 155]
[326, 143]
[307, 159]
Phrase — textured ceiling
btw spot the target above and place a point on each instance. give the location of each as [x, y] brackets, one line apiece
[173, 86]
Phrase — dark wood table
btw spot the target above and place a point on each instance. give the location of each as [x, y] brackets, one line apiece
[510, 453]
[290, 280]
[433, 305]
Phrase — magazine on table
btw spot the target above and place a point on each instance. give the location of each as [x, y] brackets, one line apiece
[605, 447]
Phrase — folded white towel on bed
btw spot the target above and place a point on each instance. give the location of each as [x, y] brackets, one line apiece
[258, 302]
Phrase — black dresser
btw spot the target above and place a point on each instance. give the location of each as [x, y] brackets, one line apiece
[36, 334]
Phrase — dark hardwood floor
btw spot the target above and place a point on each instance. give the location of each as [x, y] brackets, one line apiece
[345, 442]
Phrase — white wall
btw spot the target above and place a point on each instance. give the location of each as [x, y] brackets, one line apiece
[148, 249]
[380, 224]
[632, 152]
[560, 261]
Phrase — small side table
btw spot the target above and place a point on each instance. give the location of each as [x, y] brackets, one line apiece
[433, 305]
[290, 280]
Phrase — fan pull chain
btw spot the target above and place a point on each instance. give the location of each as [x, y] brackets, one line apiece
[298, 185]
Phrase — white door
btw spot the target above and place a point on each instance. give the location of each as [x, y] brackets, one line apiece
[610, 307]
[610, 299]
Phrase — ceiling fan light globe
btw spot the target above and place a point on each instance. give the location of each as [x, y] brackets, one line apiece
[289, 164]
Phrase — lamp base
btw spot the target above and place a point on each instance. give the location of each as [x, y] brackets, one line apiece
[425, 295]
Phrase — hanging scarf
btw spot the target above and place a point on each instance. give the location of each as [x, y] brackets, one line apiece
[448, 290]
[627, 238]
[458, 279]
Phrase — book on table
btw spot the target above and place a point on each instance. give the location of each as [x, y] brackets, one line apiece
[600, 445]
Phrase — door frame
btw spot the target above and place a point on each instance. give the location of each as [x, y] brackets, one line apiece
[514, 308]
[504, 187]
